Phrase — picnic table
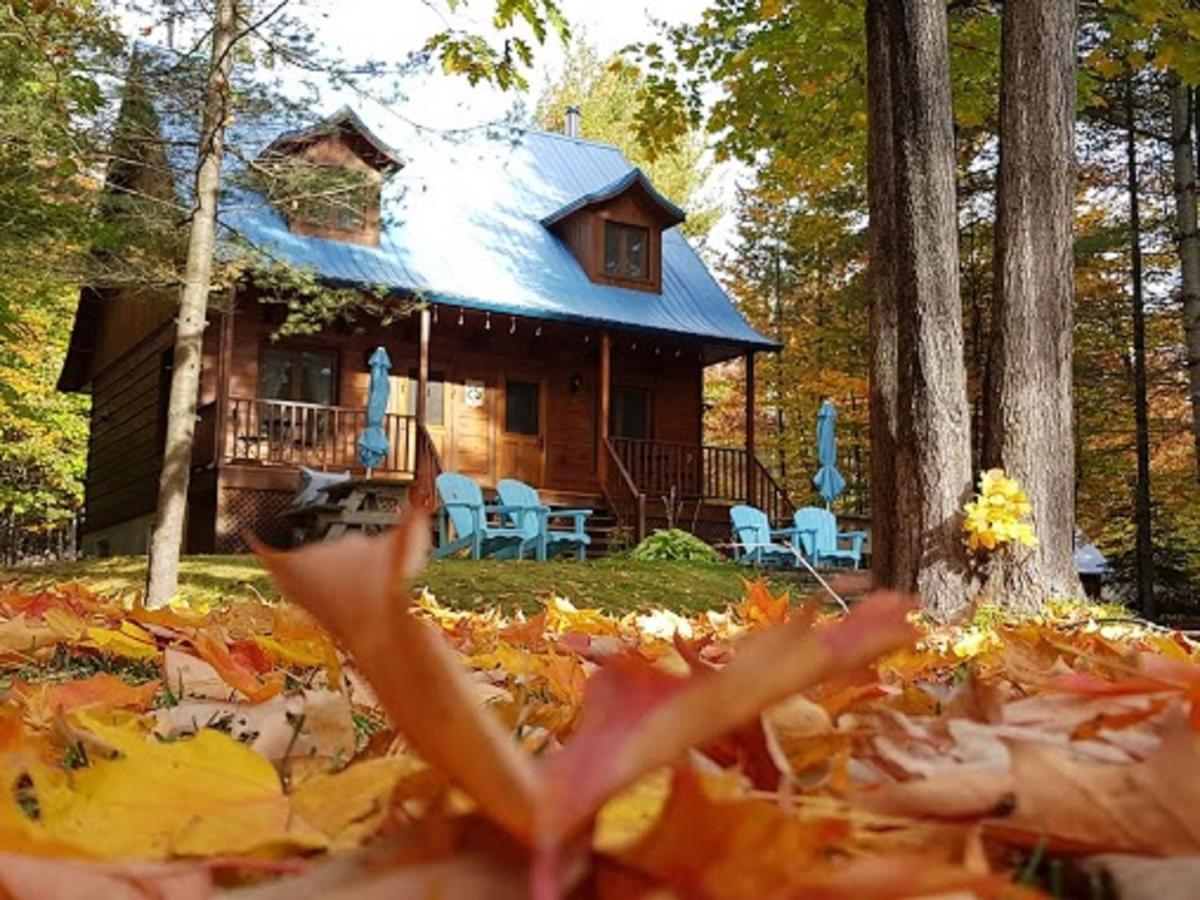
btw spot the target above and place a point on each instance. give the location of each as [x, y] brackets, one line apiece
[363, 504]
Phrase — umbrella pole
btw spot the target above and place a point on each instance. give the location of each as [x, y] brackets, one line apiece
[369, 471]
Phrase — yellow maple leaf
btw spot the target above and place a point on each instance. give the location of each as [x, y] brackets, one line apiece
[207, 796]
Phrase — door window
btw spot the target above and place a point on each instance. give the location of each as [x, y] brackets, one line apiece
[521, 413]
[629, 413]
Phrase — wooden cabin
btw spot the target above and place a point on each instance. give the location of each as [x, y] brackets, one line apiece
[560, 332]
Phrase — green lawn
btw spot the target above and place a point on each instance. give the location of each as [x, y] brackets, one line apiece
[612, 583]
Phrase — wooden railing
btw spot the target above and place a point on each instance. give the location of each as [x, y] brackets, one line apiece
[282, 432]
[696, 472]
[624, 498]
[427, 467]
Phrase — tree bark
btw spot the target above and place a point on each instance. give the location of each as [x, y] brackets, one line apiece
[882, 365]
[1031, 427]
[1143, 520]
[167, 536]
[920, 414]
[1188, 238]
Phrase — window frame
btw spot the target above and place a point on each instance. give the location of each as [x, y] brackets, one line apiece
[296, 352]
[623, 230]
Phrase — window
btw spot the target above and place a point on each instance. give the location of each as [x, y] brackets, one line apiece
[306, 376]
[625, 254]
[435, 397]
[629, 412]
[521, 408]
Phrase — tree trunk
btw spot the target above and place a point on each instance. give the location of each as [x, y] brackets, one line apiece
[1188, 239]
[921, 453]
[167, 536]
[1031, 407]
[882, 365]
[1144, 546]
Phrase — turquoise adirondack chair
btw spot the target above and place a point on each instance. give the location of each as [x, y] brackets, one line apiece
[818, 533]
[552, 541]
[754, 540]
[462, 506]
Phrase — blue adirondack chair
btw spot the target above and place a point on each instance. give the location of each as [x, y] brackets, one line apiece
[553, 541]
[823, 544]
[754, 540]
[462, 506]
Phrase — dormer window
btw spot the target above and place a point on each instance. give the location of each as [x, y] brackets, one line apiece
[327, 180]
[616, 232]
[625, 251]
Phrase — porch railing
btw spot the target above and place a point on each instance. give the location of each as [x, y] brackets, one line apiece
[698, 472]
[284, 432]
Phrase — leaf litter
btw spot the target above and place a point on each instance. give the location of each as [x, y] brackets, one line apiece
[364, 740]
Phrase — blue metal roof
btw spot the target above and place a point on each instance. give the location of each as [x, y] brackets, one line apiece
[463, 224]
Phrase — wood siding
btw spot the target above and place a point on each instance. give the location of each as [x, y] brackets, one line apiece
[125, 446]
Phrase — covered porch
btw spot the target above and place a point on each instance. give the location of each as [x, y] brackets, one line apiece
[588, 415]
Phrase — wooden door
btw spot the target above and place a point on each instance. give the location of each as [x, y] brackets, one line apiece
[472, 406]
[522, 431]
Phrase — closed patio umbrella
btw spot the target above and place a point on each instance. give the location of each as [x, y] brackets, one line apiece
[828, 481]
[373, 442]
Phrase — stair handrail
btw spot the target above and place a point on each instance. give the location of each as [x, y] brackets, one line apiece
[623, 484]
[780, 503]
[427, 465]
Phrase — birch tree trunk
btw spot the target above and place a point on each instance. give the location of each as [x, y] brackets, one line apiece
[167, 537]
[1030, 407]
[1188, 238]
[920, 414]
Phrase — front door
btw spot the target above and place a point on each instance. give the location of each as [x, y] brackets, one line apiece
[472, 401]
[522, 444]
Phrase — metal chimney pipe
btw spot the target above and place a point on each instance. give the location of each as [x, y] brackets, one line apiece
[574, 120]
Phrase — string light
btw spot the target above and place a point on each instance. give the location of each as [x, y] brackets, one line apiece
[678, 353]
[512, 326]
[435, 310]
[633, 347]
[487, 322]
[657, 351]
[537, 332]
[460, 317]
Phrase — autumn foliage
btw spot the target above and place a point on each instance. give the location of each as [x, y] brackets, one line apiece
[368, 741]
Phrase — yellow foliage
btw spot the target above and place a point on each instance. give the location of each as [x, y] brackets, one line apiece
[996, 515]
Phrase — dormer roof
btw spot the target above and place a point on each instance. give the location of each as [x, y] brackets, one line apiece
[345, 122]
[633, 180]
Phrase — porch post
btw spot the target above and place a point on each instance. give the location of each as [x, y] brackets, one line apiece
[603, 394]
[751, 458]
[423, 366]
[224, 371]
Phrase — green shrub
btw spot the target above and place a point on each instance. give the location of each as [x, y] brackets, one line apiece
[674, 544]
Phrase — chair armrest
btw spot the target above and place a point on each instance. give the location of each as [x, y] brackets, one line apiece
[576, 513]
[738, 529]
[853, 534]
[457, 504]
[504, 509]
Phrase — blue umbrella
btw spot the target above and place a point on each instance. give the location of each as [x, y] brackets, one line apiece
[828, 481]
[373, 442]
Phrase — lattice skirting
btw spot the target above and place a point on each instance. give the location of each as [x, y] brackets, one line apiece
[259, 512]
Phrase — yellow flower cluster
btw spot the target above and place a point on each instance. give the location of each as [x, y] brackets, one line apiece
[996, 514]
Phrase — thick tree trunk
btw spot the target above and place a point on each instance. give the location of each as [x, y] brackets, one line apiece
[1031, 426]
[167, 536]
[920, 415]
[1144, 540]
[1188, 238]
[883, 395]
